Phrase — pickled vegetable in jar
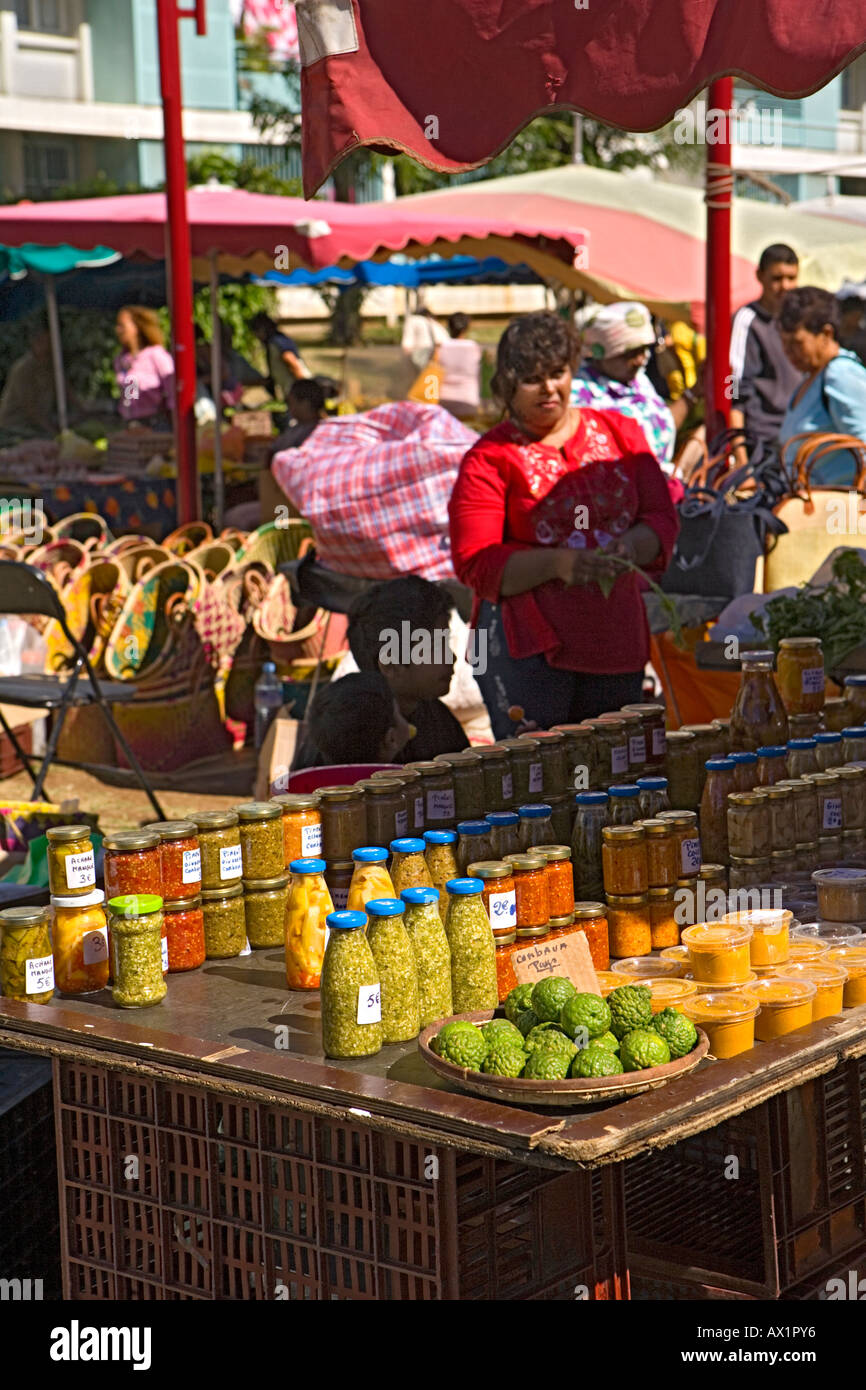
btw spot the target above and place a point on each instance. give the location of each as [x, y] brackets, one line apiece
[80, 936]
[685, 828]
[135, 924]
[532, 891]
[578, 756]
[504, 833]
[26, 959]
[828, 751]
[184, 933]
[758, 718]
[498, 778]
[653, 719]
[662, 854]
[339, 880]
[714, 809]
[410, 866]
[561, 817]
[664, 928]
[804, 725]
[468, 774]
[828, 788]
[224, 921]
[586, 843]
[552, 749]
[473, 952]
[591, 919]
[412, 795]
[535, 827]
[394, 955]
[745, 771]
[801, 757]
[265, 905]
[748, 872]
[71, 864]
[628, 924]
[653, 796]
[351, 994]
[749, 833]
[370, 876]
[836, 714]
[425, 930]
[682, 771]
[804, 807]
[261, 836]
[179, 858]
[498, 893]
[308, 908]
[302, 825]
[853, 788]
[800, 675]
[611, 750]
[220, 844]
[772, 765]
[723, 728]
[636, 742]
[560, 883]
[526, 771]
[711, 743]
[473, 842]
[441, 859]
[624, 860]
[437, 788]
[624, 804]
[343, 812]
[854, 744]
[387, 817]
[779, 806]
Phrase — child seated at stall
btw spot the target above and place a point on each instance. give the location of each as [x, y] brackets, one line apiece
[353, 720]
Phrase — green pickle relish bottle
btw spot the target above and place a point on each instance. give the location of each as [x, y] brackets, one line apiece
[432, 953]
[394, 955]
[350, 990]
[473, 950]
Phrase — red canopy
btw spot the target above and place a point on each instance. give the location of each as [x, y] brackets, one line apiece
[453, 84]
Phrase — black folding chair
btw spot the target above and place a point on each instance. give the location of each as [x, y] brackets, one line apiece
[25, 590]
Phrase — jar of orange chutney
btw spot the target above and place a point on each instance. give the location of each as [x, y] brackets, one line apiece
[628, 922]
[591, 919]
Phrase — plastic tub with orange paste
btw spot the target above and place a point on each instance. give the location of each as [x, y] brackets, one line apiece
[678, 955]
[770, 933]
[785, 1005]
[644, 968]
[853, 959]
[670, 992]
[829, 980]
[806, 948]
[727, 1018]
[607, 981]
[704, 988]
[718, 953]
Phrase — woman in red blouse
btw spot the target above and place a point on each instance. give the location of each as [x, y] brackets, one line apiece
[540, 504]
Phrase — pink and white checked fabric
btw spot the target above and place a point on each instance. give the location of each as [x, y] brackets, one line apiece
[375, 489]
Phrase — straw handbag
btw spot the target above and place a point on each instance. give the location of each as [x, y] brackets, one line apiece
[817, 517]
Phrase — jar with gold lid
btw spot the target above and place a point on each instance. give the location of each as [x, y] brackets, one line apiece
[804, 805]
[302, 824]
[748, 872]
[578, 754]
[800, 675]
[664, 928]
[498, 778]
[624, 860]
[498, 894]
[71, 863]
[828, 787]
[636, 740]
[749, 833]
[685, 828]
[261, 836]
[532, 892]
[385, 807]
[437, 786]
[469, 798]
[662, 854]
[591, 918]
[804, 725]
[560, 881]
[779, 805]
[552, 750]
[836, 714]
[611, 750]
[853, 787]
[526, 771]
[412, 794]
[343, 813]
[654, 720]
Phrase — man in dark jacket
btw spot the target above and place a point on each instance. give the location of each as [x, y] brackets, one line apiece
[762, 378]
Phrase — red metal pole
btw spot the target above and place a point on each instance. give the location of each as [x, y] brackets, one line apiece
[180, 268]
[719, 191]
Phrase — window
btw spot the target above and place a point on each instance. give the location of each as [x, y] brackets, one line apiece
[44, 16]
[47, 167]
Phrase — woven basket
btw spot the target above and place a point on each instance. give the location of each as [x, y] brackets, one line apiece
[275, 545]
[86, 738]
[168, 733]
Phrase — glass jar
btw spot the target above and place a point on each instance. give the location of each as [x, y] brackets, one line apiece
[628, 925]
[828, 787]
[685, 828]
[714, 809]
[532, 891]
[836, 714]
[682, 771]
[225, 931]
[265, 904]
[498, 894]
[723, 728]
[411, 865]
[800, 757]
[654, 720]
[552, 748]
[80, 937]
[578, 755]
[778, 805]
[749, 833]
[855, 699]
[468, 773]
[302, 825]
[829, 851]
[561, 819]
[339, 880]
[441, 859]
[473, 951]
[804, 725]
[586, 843]
[498, 778]
[772, 765]
[748, 872]
[853, 786]
[804, 807]
[807, 856]
[535, 827]
[26, 959]
[653, 796]
[828, 751]
[591, 919]
[624, 804]
[504, 834]
[351, 994]
[636, 741]
[624, 860]
[664, 928]
[413, 797]
[370, 876]
[506, 979]
[394, 955]
[132, 863]
[71, 865]
[611, 750]
[854, 744]
[473, 842]
[387, 816]
[711, 744]
[425, 930]
[261, 833]
[308, 907]
[560, 883]
[219, 840]
[745, 771]
[343, 813]
[758, 717]
[662, 854]
[800, 675]
[437, 788]
[135, 924]
[526, 772]
[179, 858]
[184, 934]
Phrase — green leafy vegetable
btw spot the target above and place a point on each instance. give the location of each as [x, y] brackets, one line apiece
[836, 612]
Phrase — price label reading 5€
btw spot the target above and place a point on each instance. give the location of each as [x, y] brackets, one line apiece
[370, 1004]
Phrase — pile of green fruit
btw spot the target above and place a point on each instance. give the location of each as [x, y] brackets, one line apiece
[551, 1032]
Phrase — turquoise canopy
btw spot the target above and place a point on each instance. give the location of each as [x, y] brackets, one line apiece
[18, 261]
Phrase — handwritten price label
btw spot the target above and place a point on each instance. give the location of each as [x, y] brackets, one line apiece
[502, 910]
[440, 805]
[536, 778]
[231, 865]
[192, 866]
[619, 760]
[813, 680]
[370, 1004]
[691, 857]
[568, 956]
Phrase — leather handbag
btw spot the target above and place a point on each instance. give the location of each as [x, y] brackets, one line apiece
[817, 519]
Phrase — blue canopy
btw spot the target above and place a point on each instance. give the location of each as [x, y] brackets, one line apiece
[438, 270]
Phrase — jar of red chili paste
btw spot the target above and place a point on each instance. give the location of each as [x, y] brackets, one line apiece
[132, 864]
[560, 883]
[531, 890]
[179, 857]
[184, 931]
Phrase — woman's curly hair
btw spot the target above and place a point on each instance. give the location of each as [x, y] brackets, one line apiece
[530, 346]
[811, 308]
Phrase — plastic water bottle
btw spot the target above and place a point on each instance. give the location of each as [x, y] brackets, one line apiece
[268, 700]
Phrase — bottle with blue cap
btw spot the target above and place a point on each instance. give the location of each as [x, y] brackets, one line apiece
[586, 845]
[473, 842]
[440, 852]
[394, 955]
[535, 826]
[409, 865]
[432, 953]
[504, 833]
[308, 907]
[473, 950]
[370, 877]
[714, 809]
[624, 808]
[653, 796]
[351, 991]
